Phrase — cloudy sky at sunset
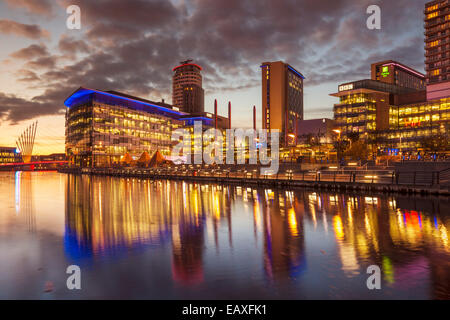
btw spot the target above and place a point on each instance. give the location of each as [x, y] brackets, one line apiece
[132, 46]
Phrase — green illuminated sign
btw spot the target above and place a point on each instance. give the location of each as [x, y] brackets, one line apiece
[385, 71]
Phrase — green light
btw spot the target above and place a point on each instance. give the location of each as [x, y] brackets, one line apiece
[385, 71]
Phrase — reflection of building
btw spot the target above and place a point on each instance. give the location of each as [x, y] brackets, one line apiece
[187, 91]
[282, 99]
[9, 155]
[407, 236]
[284, 253]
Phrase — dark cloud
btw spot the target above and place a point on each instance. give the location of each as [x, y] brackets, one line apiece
[15, 109]
[31, 52]
[42, 63]
[31, 31]
[27, 76]
[133, 45]
[71, 46]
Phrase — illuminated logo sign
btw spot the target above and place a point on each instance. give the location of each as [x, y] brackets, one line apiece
[385, 71]
[346, 87]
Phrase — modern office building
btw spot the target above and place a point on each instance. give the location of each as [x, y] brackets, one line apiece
[103, 126]
[394, 72]
[363, 106]
[437, 48]
[187, 91]
[193, 99]
[410, 123]
[282, 99]
[10, 155]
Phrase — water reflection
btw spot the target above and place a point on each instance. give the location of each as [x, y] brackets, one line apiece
[24, 201]
[221, 241]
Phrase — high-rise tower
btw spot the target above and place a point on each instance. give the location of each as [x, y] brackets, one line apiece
[187, 92]
[282, 99]
[437, 50]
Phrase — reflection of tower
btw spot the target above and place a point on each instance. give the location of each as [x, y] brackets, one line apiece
[187, 264]
[188, 239]
[283, 236]
[25, 142]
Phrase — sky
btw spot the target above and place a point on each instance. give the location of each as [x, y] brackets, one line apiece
[131, 46]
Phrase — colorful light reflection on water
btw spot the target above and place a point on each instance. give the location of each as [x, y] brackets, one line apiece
[168, 240]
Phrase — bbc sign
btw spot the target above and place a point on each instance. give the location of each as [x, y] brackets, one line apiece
[346, 87]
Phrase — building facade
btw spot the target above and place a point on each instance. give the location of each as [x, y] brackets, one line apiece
[282, 99]
[10, 155]
[102, 126]
[187, 91]
[363, 107]
[396, 73]
[437, 48]
[411, 123]
[193, 99]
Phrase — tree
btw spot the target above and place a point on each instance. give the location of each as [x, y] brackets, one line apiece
[358, 150]
[353, 136]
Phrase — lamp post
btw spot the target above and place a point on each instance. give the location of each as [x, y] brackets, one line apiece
[339, 146]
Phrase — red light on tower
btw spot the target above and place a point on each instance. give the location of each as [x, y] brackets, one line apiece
[229, 114]
[215, 113]
[254, 117]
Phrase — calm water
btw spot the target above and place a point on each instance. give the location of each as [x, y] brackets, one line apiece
[136, 239]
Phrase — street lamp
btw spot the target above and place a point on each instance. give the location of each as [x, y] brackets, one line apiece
[339, 145]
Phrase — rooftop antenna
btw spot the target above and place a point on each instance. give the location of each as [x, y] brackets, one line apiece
[186, 61]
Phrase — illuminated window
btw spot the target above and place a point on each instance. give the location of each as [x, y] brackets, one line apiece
[436, 72]
[434, 43]
[432, 8]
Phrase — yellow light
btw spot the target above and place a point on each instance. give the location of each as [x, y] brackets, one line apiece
[292, 220]
[338, 227]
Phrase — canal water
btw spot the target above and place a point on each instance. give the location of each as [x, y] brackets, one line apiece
[143, 239]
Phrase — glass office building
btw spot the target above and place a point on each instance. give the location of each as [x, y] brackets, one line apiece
[103, 126]
[409, 124]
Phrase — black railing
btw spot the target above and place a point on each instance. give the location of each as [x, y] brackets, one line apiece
[378, 177]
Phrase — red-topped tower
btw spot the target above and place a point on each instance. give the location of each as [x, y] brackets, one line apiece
[187, 91]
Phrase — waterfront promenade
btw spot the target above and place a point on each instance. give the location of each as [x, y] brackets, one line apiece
[381, 180]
